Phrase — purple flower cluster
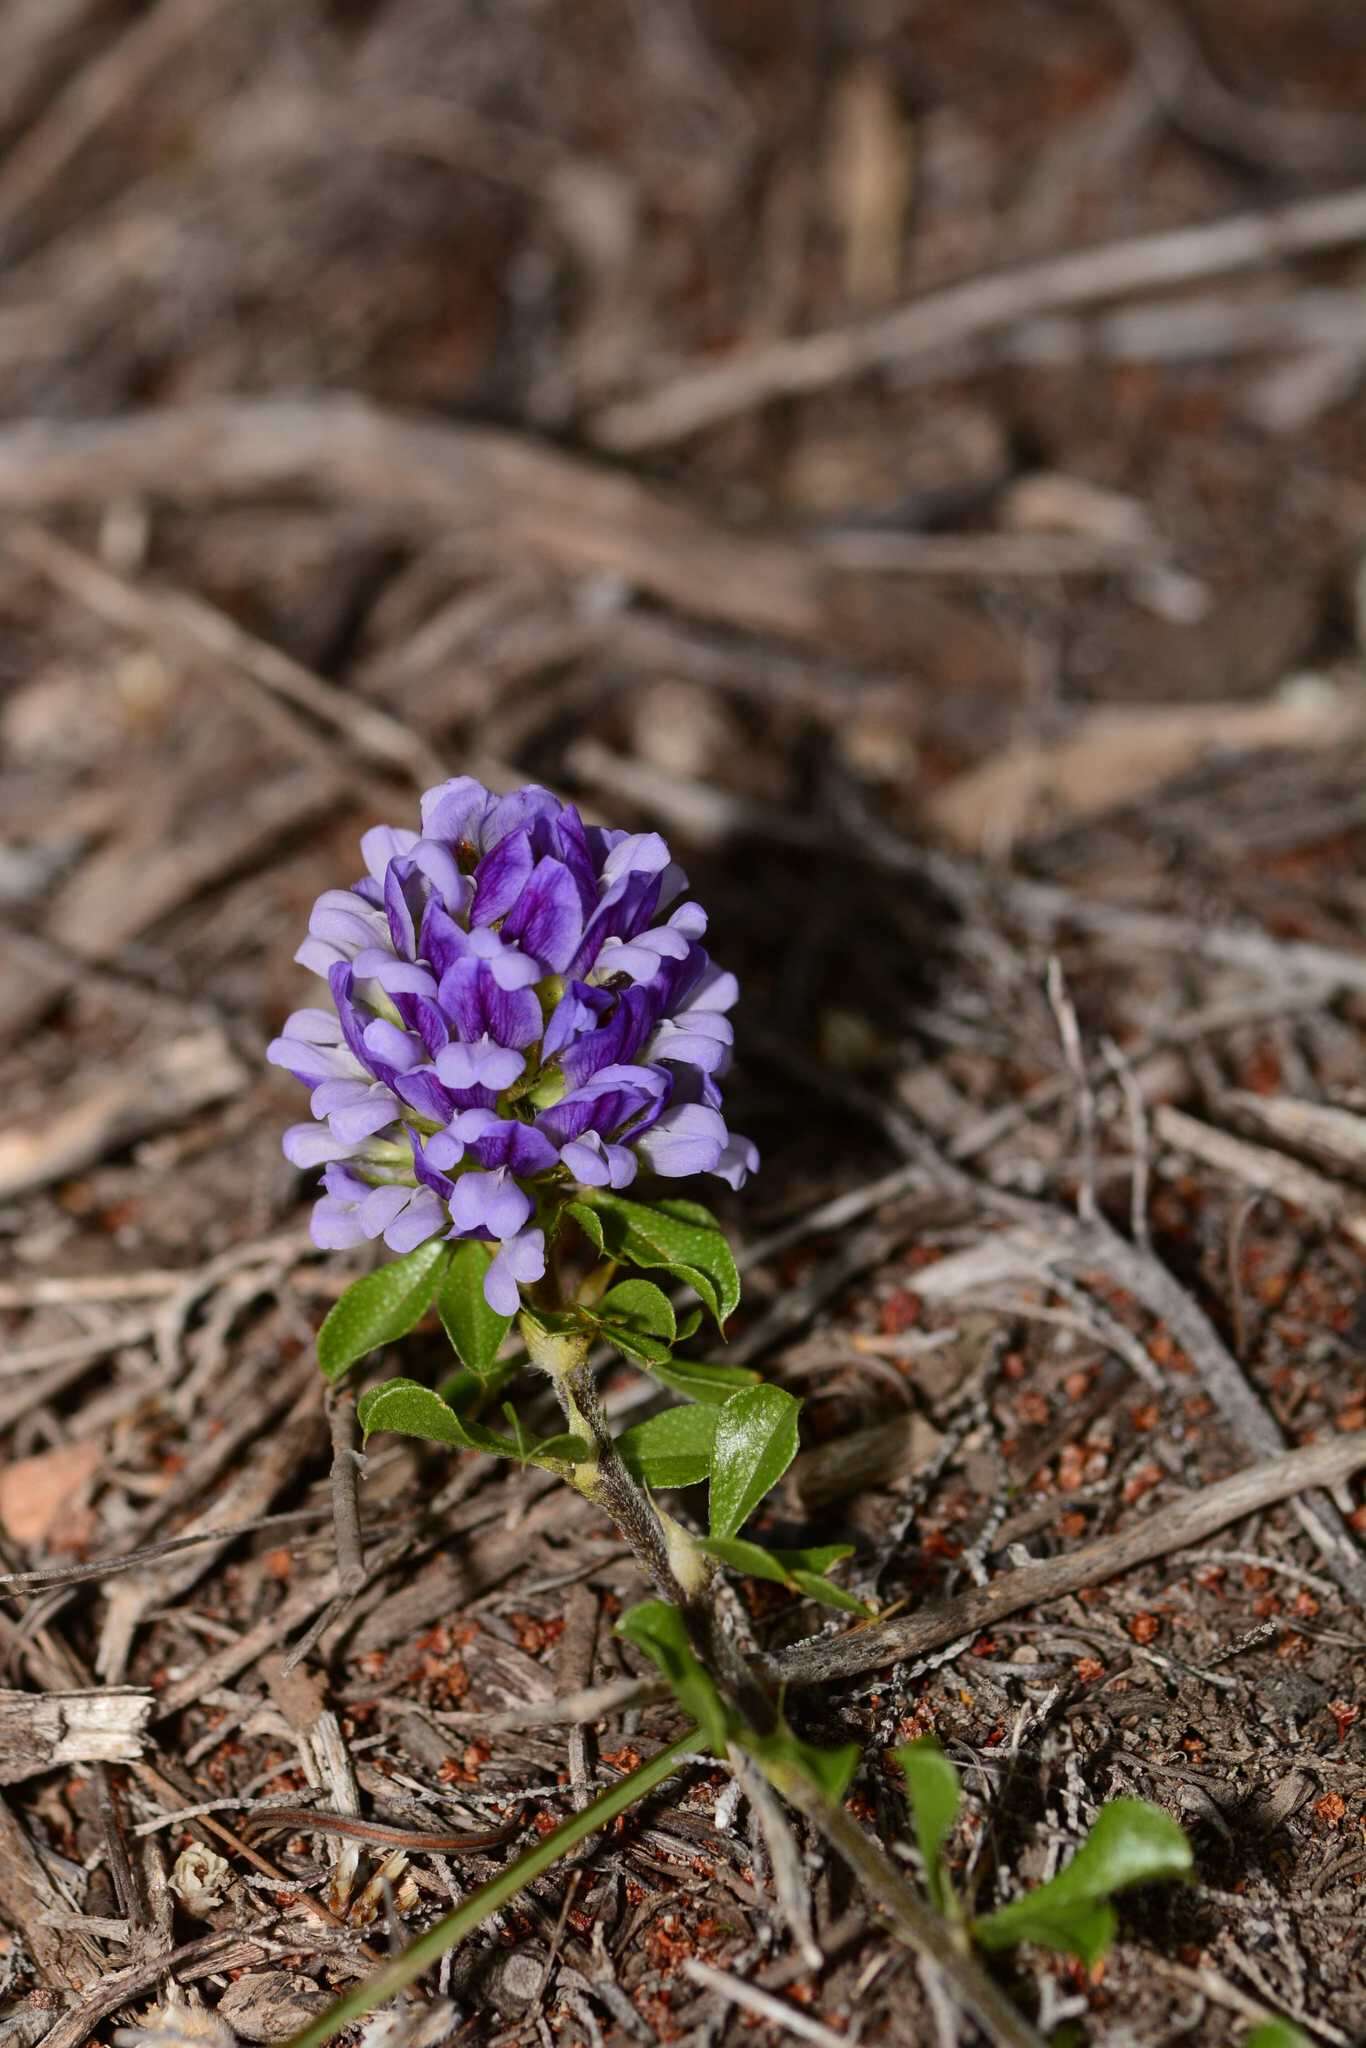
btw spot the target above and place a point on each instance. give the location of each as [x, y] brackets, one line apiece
[512, 1014]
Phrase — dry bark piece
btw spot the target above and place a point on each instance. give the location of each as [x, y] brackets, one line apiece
[42, 1731]
[37, 1494]
[269, 2005]
[163, 1086]
[877, 1456]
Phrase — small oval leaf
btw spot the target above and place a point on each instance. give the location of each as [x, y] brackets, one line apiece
[680, 1236]
[476, 1330]
[1132, 1842]
[380, 1307]
[673, 1448]
[756, 1441]
[640, 1305]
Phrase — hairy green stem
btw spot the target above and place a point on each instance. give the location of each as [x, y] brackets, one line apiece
[913, 1922]
[490, 1898]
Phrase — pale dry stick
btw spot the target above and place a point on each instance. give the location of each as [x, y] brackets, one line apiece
[790, 1887]
[94, 96]
[1175, 1527]
[347, 1465]
[1197, 102]
[1268, 1172]
[1140, 1144]
[594, 1703]
[189, 623]
[1069, 1031]
[790, 2018]
[76, 1350]
[426, 473]
[976, 556]
[152, 1553]
[976, 306]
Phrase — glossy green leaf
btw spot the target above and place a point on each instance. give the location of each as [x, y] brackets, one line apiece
[476, 1330]
[801, 1571]
[935, 1794]
[381, 1307]
[660, 1631]
[699, 1382]
[1131, 1843]
[668, 1234]
[588, 1223]
[756, 1441]
[673, 1448]
[688, 1326]
[831, 1771]
[1276, 2034]
[407, 1408]
[640, 1306]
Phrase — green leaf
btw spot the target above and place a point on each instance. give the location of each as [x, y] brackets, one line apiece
[801, 1571]
[381, 1307]
[588, 1223]
[1131, 1843]
[831, 1771]
[820, 1589]
[476, 1330]
[680, 1236]
[640, 1305]
[756, 1441]
[709, 1383]
[1276, 2034]
[689, 1325]
[660, 1631]
[407, 1408]
[935, 1793]
[670, 1449]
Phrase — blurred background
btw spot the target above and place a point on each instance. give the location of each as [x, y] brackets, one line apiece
[844, 437]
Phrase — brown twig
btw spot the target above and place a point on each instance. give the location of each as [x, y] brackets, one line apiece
[979, 305]
[1176, 1527]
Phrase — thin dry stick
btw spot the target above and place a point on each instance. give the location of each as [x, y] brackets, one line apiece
[346, 1470]
[93, 96]
[1069, 1031]
[1174, 1528]
[911, 1920]
[750, 1999]
[186, 622]
[978, 305]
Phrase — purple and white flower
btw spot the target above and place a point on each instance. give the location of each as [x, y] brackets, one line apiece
[517, 1010]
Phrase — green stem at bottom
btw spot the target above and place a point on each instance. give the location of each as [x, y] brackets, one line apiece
[912, 1921]
[490, 1898]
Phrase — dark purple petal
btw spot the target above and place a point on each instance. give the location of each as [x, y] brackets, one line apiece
[577, 1011]
[546, 920]
[613, 1043]
[520, 1147]
[442, 940]
[405, 899]
[423, 1092]
[500, 878]
[569, 842]
[518, 812]
[477, 1007]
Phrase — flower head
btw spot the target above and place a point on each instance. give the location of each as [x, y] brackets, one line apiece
[521, 1006]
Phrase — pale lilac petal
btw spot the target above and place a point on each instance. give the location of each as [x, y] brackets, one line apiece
[318, 957]
[636, 853]
[423, 1216]
[455, 810]
[738, 1161]
[489, 1201]
[380, 1207]
[306, 1145]
[520, 1260]
[396, 1048]
[689, 1139]
[482, 1064]
[383, 843]
[334, 1226]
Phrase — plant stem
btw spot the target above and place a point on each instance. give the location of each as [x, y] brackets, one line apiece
[490, 1898]
[912, 1920]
